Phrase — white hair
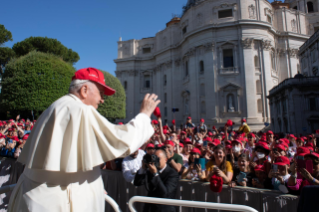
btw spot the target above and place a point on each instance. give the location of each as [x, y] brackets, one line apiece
[76, 85]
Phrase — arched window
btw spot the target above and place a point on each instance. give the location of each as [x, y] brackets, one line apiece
[310, 7]
[231, 103]
[186, 68]
[258, 87]
[165, 80]
[260, 106]
[125, 85]
[256, 61]
[269, 18]
[201, 67]
[295, 8]
[203, 108]
[202, 90]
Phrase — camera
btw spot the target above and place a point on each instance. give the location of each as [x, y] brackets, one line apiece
[151, 159]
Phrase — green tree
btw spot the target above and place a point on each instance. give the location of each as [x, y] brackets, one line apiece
[34, 82]
[113, 106]
[6, 53]
[46, 45]
[5, 35]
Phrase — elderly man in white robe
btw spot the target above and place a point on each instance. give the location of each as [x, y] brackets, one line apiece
[68, 143]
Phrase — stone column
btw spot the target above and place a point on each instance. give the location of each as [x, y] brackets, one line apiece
[250, 80]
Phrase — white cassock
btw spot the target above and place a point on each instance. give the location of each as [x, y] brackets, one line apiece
[63, 153]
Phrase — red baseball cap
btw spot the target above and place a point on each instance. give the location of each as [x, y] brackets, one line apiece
[173, 121]
[120, 123]
[93, 75]
[309, 144]
[208, 139]
[198, 145]
[263, 145]
[283, 142]
[25, 137]
[15, 138]
[157, 112]
[269, 132]
[252, 135]
[210, 134]
[238, 141]
[155, 122]
[216, 142]
[302, 151]
[195, 151]
[160, 145]
[189, 117]
[181, 145]
[313, 154]
[260, 168]
[281, 161]
[280, 146]
[187, 141]
[170, 143]
[229, 123]
[216, 183]
[228, 146]
[243, 120]
[183, 132]
[150, 145]
[202, 120]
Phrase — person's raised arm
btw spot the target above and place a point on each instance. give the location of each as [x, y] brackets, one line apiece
[160, 124]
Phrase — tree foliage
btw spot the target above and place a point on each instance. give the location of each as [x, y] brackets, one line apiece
[113, 106]
[5, 35]
[6, 54]
[46, 45]
[34, 82]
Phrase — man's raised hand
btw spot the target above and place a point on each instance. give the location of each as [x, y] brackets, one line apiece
[149, 104]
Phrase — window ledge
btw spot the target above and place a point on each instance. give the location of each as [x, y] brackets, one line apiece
[229, 71]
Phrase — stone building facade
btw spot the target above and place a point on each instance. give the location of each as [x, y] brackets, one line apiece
[218, 61]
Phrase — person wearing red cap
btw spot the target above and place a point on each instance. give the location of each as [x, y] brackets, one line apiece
[250, 145]
[259, 157]
[201, 128]
[150, 148]
[174, 159]
[296, 182]
[189, 124]
[70, 141]
[188, 146]
[194, 171]
[244, 128]
[280, 176]
[261, 177]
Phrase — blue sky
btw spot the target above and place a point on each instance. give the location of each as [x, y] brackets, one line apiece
[91, 28]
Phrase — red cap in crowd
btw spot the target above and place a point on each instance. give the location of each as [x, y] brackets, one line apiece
[216, 142]
[195, 151]
[165, 131]
[184, 133]
[283, 142]
[237, 141]
[243, 120]
[198, 145]
[302, 151]
[150, 145]
[120, 123]
[309, 145]
[281, 161]
[170, 143]
[252, 135]
[214, 128]
[25, 137]
[269, 132]
[173, 122]
[313, 154]
[94, 75]
[160, 145]
[181, 145]
[187, 141]
[280, 147]
[228, 146]
[229, 123]
[208, 139]
[202, 120]
[216, 183]
[292, 136]
[155, 122]
[263, 145]
[189, 118]
[11, 120]
[210, 134]
[260, 168]
[157, 112]
[15, 138]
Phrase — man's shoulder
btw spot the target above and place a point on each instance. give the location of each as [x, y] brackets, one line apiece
[177, 156]
[170, 171]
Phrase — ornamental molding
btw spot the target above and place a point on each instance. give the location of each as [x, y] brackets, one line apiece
[209, 46]
[268, 11]
[225, 6]
[281, 51]
[190, 52]
[266, 44]
[178, 62]
[247, 43]
[252, 11]
[293, 52]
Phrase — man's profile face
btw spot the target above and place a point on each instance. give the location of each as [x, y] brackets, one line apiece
[95, 94]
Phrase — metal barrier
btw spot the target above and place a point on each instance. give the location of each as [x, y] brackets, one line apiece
[108, 199]
[185, 203]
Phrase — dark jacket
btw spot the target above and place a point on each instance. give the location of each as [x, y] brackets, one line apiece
[162, 186]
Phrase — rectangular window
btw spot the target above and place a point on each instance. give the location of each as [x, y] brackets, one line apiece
[186, 68]
[228, 58]
[165, 97]
[273, 60]
[284, 106]
[184, 30]
[165, 111]
[312, 104]
[147, 80]
[146, 50]
[268, 19]
[225, 13]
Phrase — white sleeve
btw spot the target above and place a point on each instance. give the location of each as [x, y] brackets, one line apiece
[127, 173]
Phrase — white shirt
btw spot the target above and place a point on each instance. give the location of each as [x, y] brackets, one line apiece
[131, 165]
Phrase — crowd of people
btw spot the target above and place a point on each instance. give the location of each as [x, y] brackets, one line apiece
[225, 156]
[13, 136]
